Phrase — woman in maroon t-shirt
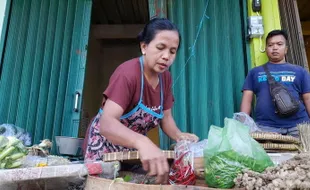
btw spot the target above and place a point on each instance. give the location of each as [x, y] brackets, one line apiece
[139, 98]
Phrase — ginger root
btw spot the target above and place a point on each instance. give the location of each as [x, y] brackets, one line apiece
[292, 174]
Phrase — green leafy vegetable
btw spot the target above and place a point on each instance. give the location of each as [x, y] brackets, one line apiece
[230, 150]
[12, 151]
[222, 168]
[127, 178]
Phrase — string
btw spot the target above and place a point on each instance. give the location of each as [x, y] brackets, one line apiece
[261, 49]
[204, 16]
[111, 184]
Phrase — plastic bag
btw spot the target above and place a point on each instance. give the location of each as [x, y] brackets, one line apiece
[198, 147]
[182, 172]
[12, 130]
[246, 120]
[230, 150]
[38, 161]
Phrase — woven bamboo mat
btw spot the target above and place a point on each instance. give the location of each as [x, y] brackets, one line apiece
[274, 137]
[280, 147]
[282, 151]
[130, 155]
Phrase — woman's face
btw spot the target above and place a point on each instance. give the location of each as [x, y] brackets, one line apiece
[160, 53]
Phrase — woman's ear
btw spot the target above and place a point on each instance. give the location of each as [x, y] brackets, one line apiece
[143, 47]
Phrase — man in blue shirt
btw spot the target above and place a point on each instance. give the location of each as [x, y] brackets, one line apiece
[293, 77]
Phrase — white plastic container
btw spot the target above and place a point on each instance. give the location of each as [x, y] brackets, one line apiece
[70, 146]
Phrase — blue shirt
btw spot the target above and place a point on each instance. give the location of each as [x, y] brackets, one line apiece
[293, 77]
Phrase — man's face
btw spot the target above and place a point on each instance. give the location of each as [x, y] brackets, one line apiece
[276, 49]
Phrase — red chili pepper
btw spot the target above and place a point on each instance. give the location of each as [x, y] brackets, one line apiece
[181, 172]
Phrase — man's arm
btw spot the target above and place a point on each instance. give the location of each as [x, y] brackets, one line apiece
[306, 99]
[246, 104]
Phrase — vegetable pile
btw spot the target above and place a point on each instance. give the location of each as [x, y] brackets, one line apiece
[12, 151]
[222, 168]
[292, 174]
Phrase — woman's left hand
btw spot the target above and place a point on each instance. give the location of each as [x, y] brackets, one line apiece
[187, 136]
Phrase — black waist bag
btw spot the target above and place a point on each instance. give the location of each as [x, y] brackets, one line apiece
[285, 104]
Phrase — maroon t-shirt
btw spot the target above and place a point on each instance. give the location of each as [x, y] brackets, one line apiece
[125, 86]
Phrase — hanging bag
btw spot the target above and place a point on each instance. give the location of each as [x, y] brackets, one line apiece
[285, 104]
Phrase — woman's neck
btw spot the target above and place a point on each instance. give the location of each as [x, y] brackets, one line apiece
[149, 73]
[151, 76]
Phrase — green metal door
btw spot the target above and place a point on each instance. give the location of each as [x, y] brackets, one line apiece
[43, 64]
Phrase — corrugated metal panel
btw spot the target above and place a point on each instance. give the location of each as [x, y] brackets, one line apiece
[43, 62]
[211, 64]
[290, 21]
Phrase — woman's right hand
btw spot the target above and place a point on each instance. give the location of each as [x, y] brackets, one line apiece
[153, 160]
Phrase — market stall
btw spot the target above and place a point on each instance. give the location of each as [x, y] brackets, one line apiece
[230, 158]
[32, 167]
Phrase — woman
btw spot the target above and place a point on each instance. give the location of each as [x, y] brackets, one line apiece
[139, 98]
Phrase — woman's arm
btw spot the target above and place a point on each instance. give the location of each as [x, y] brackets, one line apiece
[152, 158]
[114, 130]
[170, 128]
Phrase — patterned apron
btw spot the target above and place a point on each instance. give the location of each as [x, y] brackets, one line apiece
[140, 119]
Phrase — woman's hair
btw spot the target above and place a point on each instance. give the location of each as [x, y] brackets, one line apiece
[155, 25]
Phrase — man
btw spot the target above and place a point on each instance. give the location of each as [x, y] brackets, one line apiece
[293, 77]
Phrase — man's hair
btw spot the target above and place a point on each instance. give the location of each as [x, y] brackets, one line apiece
[276, 33]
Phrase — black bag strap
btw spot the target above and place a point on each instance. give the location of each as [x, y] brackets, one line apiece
[270, 79]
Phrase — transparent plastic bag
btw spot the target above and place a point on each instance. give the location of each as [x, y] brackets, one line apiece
[38, 161]
[182, 171]
[246, 120]
[12, 130]
[198, 147]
